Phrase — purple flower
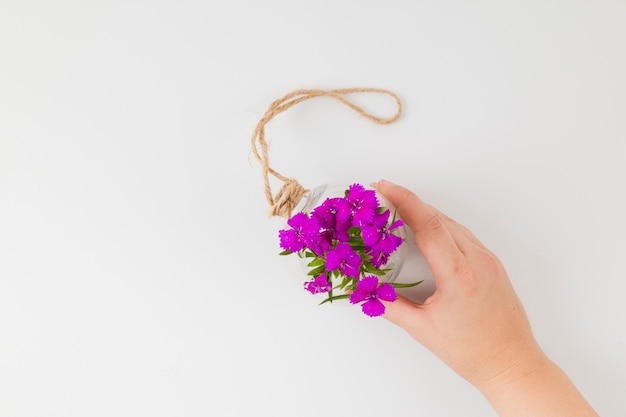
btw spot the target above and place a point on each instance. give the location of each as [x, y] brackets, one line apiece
[324, 244]
[334, 215]
[304, 232]
[378, 238]
[318, 285]
[363, 203]
[368, 290]
[332, 211]
[378, 258]
[344, 258]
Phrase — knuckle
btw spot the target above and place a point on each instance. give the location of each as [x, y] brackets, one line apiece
[489, 260]
[434, 222]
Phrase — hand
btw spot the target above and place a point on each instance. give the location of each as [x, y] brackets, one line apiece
[474, 321]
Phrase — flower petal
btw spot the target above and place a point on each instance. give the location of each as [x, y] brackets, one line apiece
[386, 292]
[373, 307]
[396, 224]
[389, 243]
[333, 260]
[358, 296]
[367, 284]
[318, 285]
[289, 240]
[298, 220]
[370, 234]
[363, 215]
[344, 212]
[351, 271]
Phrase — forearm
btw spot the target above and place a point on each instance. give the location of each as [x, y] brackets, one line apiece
[542, 389]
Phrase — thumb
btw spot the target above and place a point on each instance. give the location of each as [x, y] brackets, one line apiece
[403, 313]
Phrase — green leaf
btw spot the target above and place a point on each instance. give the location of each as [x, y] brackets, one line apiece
[368, 267]
[335, 297]
[317, 271]
[309, 254]
[354, 231]
[316, 262]
[344, 282]
[285, 252]
[407, 285]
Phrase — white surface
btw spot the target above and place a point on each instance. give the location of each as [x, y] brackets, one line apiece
[139, 274]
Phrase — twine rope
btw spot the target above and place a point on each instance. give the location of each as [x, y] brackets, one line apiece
[290, 193]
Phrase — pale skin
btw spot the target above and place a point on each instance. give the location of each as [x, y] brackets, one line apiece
[474, 322]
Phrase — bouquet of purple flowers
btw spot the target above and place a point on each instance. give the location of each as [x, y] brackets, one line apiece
[347, 242]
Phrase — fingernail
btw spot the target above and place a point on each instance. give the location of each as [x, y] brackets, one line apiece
[386, 183]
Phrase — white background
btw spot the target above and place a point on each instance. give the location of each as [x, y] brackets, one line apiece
[139, 272]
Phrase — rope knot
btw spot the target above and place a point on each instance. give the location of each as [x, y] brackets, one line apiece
[287, 198]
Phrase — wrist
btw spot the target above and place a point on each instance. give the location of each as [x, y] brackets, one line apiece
[535, 386]
[512, 365]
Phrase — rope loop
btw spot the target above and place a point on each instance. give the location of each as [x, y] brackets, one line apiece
[290, 193]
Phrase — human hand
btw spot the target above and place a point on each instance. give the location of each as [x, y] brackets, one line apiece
[474, 321]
